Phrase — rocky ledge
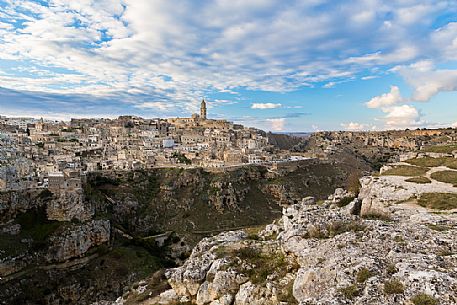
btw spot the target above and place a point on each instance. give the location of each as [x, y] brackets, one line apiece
[319, 254]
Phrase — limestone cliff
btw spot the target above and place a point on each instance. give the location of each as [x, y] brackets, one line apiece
[320, 255]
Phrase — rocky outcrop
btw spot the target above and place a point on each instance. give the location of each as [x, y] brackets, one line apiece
[75, 240]
[13, 203]
[319, 255]
[225, 196]
[60, 206]
[69, 205]
[381, 194]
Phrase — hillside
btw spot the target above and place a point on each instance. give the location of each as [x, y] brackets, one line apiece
[80, 247]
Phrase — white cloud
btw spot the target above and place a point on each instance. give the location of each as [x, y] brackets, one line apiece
[352, 126]
[386, 99]
[446, 38]
[330, 85]
[154, 105]
[277, 124]
[404, 116]
[250, 39]
[398, 114]
[265, 105]
[369, 77]
[428, 81]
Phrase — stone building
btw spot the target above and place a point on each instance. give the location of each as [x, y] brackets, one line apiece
[203, 110]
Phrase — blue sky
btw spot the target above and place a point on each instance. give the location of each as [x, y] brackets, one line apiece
[277, 65]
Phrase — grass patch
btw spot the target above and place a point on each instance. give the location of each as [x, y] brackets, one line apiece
[363, 275]
[350, 292]
[393, 286]
[154, 286]
[434, 162]
[446, 149]
[262, 264]
[419, 179]
[253, 232]
[345, 201]
[405, 170]
[438, 227]
[427, 161]
[445, 176]
[391, 269]
[451, 163]
[424, 299]
[376, 216]
[438, 201]
[335, 228]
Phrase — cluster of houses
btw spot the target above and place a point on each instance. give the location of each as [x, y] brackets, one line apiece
[328, 142]
[56, 155]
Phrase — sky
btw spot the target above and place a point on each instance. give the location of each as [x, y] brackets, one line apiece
[276, 65]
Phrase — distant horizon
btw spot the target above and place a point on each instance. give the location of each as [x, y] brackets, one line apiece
[270, 131]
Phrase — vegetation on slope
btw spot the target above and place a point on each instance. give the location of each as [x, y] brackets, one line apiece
[445, 176]
[405, 170]
[440, 148]
[419, 179]
[438, 201]
[433, 162]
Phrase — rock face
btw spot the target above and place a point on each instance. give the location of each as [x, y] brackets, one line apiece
[76, 240]
[322, 256]
[69, 206]
[60, 206]
[14, 202]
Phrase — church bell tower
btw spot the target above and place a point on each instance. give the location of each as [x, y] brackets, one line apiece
[203, 110]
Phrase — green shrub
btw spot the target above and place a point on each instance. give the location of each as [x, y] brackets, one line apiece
[419, 179]
[345, 201]
[363, 275]
[376, 216]
[263, 264]
[391, 269]
[393, 286]
[350, 292]
[35, 224]
[253, 237]
[424, 299]
[335, 228]
[248, 253]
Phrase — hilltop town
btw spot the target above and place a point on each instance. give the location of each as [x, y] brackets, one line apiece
[39, 153]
